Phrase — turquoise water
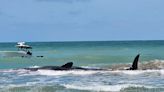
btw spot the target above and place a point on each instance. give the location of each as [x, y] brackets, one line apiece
[86, 54]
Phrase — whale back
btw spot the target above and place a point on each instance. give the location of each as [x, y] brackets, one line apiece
[67, 65]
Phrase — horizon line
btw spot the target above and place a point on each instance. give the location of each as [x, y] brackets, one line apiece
[79, 41]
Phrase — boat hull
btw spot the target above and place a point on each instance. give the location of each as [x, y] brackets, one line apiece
[14, 54]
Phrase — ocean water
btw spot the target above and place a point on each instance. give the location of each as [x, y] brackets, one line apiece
[97, 54]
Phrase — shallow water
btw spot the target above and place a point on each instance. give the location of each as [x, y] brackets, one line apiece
[110, 55]
[85, 81]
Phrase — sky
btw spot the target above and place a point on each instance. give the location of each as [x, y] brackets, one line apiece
[81, 20]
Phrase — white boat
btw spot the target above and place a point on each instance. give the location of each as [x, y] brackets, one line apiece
[23, 51]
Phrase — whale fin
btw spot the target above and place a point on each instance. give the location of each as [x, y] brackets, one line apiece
[67, 65]
[135, 63]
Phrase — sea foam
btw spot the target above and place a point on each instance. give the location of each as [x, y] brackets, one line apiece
[73, 72]
[90, 72]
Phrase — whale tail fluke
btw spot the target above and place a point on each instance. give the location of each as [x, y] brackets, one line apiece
[135, 63]
[67, 65]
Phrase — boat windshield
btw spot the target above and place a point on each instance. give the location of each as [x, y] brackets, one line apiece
[23, 47]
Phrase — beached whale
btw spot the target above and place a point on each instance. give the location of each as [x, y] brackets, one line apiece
[69, 66]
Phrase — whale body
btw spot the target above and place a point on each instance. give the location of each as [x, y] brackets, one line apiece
[69, 66]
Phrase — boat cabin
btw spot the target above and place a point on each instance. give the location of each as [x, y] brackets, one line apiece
[23, 47]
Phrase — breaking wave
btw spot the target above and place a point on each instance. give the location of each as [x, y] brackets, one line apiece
[66, 87]
[146, 65]
[73, 72]
[91, 72]
[111, 88]
[113, 80]
[153, 66]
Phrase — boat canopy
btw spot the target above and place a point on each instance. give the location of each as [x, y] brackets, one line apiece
[23, 46]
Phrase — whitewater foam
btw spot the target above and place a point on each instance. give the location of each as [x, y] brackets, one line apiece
[23, 72]
[138, 72]
[73, 72]
[83, 72]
